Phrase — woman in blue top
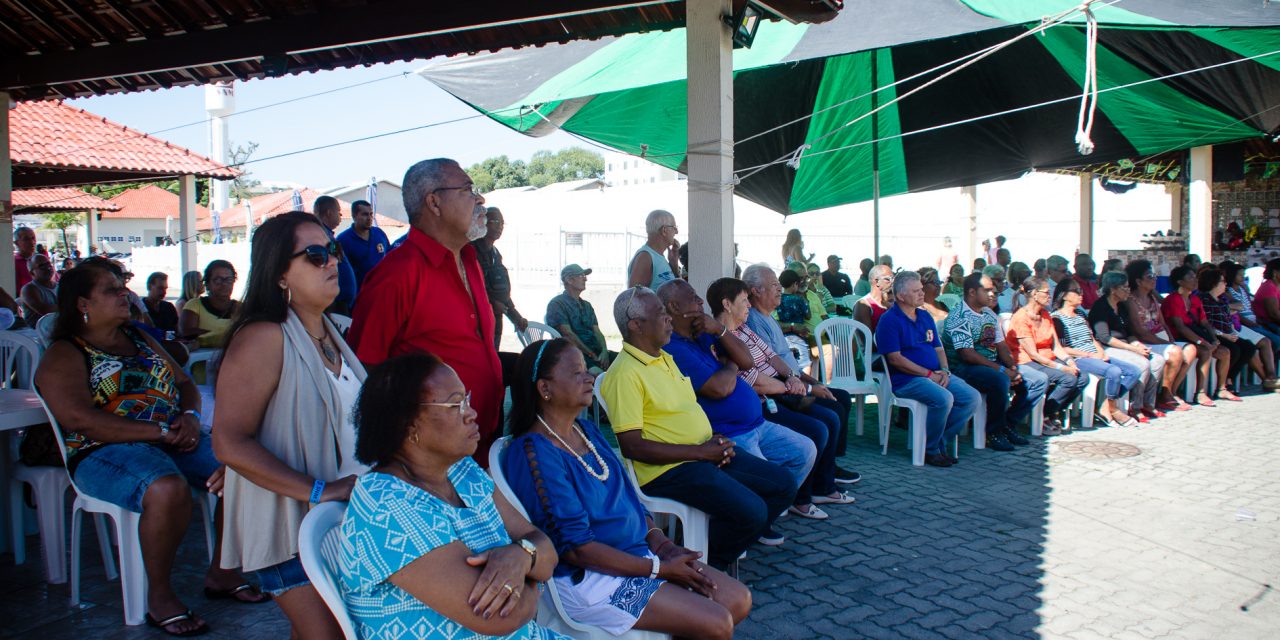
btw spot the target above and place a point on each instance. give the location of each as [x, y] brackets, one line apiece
[428, 549]
[618, 571]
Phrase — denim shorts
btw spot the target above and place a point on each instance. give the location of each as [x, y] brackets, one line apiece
[120, 473]
[279, 578]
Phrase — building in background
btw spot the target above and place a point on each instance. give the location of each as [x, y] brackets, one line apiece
[622, 170]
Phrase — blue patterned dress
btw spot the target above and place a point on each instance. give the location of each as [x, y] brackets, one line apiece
[390, 523]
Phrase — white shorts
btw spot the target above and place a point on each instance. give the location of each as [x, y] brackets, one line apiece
[611, 603]
[1250, 335]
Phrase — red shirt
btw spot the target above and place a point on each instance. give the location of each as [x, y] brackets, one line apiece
[1174, 307]
[414, 301]
[20, 269]
[1088, 291]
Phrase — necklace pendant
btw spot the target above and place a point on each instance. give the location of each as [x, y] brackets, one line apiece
[329, 353]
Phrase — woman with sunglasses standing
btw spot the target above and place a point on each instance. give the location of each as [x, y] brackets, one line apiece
[287, 437]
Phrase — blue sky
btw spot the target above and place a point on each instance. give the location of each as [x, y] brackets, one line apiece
[392, 102]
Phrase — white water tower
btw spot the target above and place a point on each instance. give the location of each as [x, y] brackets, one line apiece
[220, 102]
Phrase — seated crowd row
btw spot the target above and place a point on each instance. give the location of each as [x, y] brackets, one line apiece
[710, 409]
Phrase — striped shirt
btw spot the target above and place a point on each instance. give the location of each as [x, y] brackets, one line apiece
[761, 354]
[1074, 331]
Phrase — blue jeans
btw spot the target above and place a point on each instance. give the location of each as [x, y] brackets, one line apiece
[781, 446]
[742, 498]
[1120, 376]
[1065, 386]
[821, 425]
[949, 408]
[120, 473]
[995, 388]
[279, 578]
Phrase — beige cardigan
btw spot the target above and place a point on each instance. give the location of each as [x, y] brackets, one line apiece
[300, 427]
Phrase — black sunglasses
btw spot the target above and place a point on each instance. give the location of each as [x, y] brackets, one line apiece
[319, 254]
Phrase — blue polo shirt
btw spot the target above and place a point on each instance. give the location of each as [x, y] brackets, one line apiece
[915, 340]
[731, 416]
[347, 282]
[364, 254]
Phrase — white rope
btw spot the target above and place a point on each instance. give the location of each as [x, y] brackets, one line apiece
[1089, 95]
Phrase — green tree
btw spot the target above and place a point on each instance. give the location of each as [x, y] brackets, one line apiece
[498, 173]
[243, 185]
[61, 221]
[111, 190]
[574, 163]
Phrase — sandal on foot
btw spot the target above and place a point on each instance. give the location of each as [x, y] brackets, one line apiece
[1204, 400]
[843, 498]
[163, 625]
[256, 597]
[1227, 394]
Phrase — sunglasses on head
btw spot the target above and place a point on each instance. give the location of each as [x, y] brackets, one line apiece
[319, 254]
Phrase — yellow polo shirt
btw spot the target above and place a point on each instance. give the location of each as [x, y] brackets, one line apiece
[650, 394]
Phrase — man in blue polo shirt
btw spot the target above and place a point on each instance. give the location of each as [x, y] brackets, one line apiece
[909, 341]
[363, 244]
[732, 407]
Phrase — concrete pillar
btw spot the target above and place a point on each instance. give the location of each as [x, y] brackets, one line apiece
[8, 277]
[187, 222]
[91, 233]
[1200, 220]
[709, 52]
[1086, 213]
[970, 197]
[1174, 190]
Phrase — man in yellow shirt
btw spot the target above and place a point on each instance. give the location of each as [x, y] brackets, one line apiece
[661, 427]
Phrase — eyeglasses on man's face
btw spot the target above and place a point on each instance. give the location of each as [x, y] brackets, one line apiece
[469, 188]
[462, 405]
[220, 280]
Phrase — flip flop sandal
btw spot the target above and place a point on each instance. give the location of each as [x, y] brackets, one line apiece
[1227, 394]
[181, 617]
[230, 594]
[1207, 402]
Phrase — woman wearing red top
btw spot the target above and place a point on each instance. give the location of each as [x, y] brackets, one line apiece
[1184, 315]
[1266, 302]
[1034, 344]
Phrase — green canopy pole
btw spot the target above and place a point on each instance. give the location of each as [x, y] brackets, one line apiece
[875, 158]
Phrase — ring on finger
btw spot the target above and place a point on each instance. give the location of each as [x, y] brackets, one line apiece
[509, 588]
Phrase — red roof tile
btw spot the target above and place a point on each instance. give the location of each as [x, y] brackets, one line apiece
[57, 136]
[58, 199]
[149, 201]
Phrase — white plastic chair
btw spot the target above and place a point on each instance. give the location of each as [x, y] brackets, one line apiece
[695, 523]
[560, 621]
[341, 322]
[536, 331]
[847, 337]
[44, 327]
[133, 574]
[918, 429]
[319, 544]
[19, 356]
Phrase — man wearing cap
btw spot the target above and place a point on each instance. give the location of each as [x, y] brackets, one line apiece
[575, 319]
[836, 282]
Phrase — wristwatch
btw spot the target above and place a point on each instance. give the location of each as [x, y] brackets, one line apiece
[529, 548]
[164, 430]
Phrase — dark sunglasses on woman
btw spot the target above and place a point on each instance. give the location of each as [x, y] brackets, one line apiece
[319, 254]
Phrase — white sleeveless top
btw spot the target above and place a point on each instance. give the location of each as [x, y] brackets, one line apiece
[347, 385]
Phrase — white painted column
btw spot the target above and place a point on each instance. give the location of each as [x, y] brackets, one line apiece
[710, 150]
[1086, 213]
[1200, 223]
[8, 277]
[187, 222]
[91, 233]
[1175, 206]
[970, 197]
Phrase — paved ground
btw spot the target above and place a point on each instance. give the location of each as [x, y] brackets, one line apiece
[1179, 540]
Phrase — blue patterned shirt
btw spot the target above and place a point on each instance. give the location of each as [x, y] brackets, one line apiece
[389, 524]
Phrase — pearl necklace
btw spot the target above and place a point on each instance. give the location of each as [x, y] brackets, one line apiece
[603, 475]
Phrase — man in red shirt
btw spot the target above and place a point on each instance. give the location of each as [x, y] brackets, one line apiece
[1087, 279]
[428, 294]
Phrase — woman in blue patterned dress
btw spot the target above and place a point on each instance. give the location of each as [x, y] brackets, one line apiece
[429, 549]
[618, 571]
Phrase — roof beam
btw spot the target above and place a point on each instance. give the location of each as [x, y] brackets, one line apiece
[392, 20]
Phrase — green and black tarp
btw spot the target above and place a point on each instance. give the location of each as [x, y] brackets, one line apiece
[1172, 74]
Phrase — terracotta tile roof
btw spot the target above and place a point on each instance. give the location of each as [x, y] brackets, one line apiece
[53, 136]
[149, 201]
[264, 206]
[58, 199]
[274, 204]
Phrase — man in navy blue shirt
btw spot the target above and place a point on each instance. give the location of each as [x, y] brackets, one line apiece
[909, 341]
[732, 407]
[329, 211]
[363, 244]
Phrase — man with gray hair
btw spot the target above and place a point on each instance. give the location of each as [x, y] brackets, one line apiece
[662, 428]
[429, 294]
[654, 264]
[24, 246]
[1055, 269]
[912, 348]
[870, 307]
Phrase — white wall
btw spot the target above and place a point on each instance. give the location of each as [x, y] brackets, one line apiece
[123, 235]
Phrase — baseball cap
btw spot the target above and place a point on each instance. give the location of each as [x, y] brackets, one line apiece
[572, 270]
[833, 257]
